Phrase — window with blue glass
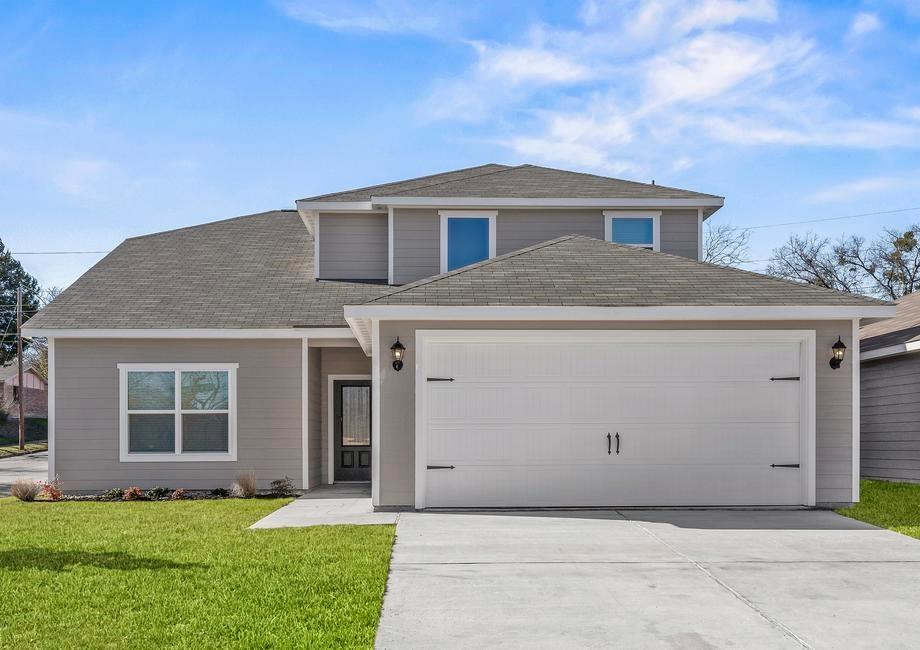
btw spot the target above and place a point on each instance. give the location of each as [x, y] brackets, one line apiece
[467, 241]
[633, 231]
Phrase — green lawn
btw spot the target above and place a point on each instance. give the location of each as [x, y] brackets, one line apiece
[31, 447]
[888, 505]
[36, 436]
[184, 574]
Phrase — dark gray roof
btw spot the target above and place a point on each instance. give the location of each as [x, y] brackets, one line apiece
[249, 272]
[582, 271]
[523, 181]
[903, 328]
[387, 189]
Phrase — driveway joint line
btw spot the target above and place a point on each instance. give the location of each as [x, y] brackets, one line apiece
[738, 595]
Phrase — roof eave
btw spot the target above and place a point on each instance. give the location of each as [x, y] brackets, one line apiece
[890, 351]
[500, 202]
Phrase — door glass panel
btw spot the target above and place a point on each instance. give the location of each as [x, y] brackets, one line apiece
[356, 424]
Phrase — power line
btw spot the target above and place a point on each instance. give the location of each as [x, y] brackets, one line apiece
[848, 216]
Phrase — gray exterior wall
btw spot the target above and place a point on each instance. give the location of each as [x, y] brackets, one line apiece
[337, 361]
[353, 246]
[417, 234]
[834, 394]
[890, 418]
[269, 414]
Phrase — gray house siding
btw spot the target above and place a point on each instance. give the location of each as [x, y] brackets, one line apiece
[315, 434]
[417, 234]
[834, 395]
[269, 415]
[890, 418]
[353, 246]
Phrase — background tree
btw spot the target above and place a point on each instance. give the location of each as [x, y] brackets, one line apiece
[37, 354]
[13, 276]
[811, 259]
[725, 245]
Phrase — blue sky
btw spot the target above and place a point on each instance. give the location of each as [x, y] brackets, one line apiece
[123, 118]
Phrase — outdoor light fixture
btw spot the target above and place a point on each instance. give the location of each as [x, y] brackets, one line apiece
[398, 350]
[839, 350]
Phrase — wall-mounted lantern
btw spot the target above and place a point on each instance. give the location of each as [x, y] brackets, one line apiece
[839, 349]
[397, 350]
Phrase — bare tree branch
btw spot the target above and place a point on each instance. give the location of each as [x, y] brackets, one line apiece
[725, 245]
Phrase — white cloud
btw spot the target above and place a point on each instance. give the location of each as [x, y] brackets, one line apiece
[382, 16]
[528, 65]
[863, 23]
[717, 13]
[80, 177]
[857, 188]
[840, 133]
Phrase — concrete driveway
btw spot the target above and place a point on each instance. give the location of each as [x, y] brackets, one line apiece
[32, 466]
[659, 578]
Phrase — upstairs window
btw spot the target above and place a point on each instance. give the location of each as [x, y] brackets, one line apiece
[177, 412]
[639, 229]
[466, 238]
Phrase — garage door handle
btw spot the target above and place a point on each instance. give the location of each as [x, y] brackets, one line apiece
[608, 443]
[440, 467]
[440, 379]
[785, 379]
[785, 465]
[618, 443]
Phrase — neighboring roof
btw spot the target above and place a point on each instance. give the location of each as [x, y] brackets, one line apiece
[254, 271]
[522, 181]
[576, 270]
[900, 330]
[11, 370]
[365, 193]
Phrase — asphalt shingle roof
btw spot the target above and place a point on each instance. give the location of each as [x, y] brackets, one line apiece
[254, 271]
[576, 270]
[903, 328]
[522, 181]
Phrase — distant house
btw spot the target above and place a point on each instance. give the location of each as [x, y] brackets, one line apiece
[34, 391]
[890, 395]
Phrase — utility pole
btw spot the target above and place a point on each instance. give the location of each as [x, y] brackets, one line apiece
[22, 393]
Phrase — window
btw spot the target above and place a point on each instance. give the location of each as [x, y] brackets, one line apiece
[639, 229]
[467, 237]
[177, 412]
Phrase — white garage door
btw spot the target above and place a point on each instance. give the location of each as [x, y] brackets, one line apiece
[611, 419]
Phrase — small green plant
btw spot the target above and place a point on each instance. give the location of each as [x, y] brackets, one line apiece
[133, 493]
[178, 494]
[25, 489]
[220, 492]
[245, 486]
[283, 487]
[156, 493]
[112, 495]
[51, 490]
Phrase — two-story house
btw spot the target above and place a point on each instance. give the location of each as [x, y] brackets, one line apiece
[492, 336]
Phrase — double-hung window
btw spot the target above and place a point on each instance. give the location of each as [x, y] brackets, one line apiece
[467, 237]
[177, 412]
[639, 229]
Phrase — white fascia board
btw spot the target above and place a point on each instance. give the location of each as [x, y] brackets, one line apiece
[417, 312]
[890, 351]
[281, 333]
[335, 206]
[469, 202]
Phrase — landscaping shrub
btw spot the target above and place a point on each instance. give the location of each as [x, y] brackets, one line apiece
[112, 495]
[132, 494]
[219, 492]
[25, 489]
[52, 490]
[245, 486]
[179, 494]
[283, 487]
[156, 493]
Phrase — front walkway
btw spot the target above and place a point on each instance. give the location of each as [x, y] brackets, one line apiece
[660, 578]
[31, 466]
[339, 503]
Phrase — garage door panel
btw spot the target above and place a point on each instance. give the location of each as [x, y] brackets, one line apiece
[525, 422]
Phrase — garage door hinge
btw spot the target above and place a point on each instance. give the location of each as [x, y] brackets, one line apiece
[785, 378]
[785, 465]
[440, 379]
[440, 467]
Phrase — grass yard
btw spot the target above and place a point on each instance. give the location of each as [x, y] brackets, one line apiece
[895, 506]
[31, 447]
[36, 436]
[184, 574]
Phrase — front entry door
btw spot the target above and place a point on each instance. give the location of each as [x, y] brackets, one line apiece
[352, 433]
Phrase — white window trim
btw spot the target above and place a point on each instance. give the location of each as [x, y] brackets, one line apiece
[178, 456]
[491, 215]
[654, 215]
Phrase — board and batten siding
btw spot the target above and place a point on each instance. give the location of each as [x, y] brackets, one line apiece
[269, 414]
[417, 234]
[353, 246]
[834, 399]
[890, 418]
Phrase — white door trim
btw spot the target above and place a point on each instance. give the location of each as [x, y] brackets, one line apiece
[423, 338]
[330, 421]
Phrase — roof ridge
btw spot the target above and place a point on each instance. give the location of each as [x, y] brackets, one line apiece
[473, 267]
[507, 168]
[621, 180]
[407, 180]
